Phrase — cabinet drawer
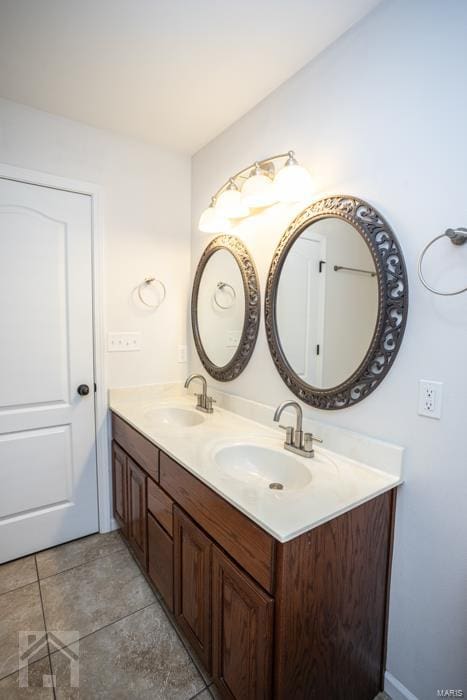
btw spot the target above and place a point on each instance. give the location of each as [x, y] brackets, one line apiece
[160, 560]
[250, 546]
[143, 452]
[160, 506]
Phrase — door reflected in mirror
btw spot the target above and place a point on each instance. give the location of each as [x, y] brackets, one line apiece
[327, 303]
[221, 307]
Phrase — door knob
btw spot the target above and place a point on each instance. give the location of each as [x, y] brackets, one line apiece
[83, 390]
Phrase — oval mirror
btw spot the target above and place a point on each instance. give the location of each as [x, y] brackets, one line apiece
[336, 302]
[225, 307]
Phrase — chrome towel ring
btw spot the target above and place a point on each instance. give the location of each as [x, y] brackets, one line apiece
[222, 286]
[148, 281]
[457, 236]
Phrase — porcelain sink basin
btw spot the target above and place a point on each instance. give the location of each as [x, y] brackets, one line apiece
[174, 417]
[262, 467]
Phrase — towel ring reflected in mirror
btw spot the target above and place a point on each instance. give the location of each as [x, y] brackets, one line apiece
[144, 285]
[222, 286]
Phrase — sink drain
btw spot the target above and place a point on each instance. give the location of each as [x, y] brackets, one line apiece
[276, 485]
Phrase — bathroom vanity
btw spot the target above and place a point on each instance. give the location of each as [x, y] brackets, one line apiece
[279, 594]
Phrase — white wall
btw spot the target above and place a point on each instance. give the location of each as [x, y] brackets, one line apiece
[382, 114]
[145, 193]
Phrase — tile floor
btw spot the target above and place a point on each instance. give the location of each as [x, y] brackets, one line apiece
[92, 589]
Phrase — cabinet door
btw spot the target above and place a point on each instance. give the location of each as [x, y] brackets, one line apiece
[160, 560]
[137, 511]
[192, 579]
[119, 485]
[242, 624]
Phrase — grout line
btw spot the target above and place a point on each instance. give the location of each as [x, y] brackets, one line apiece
[77, 566]
[18, 588]
[45, 624]
[109, 624]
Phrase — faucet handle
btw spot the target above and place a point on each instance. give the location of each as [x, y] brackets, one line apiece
[289, 431]
[308, 440]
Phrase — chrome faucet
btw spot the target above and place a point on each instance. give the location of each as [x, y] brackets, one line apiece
[203, 401]
[295, 439]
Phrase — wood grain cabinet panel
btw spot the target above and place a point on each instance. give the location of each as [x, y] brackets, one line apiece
[242, 623]
[161, 506]
[160, 560]
[192, 573]
[248, 544]
[119, 487]
[330, 606]
[137, 515]
[137, 446]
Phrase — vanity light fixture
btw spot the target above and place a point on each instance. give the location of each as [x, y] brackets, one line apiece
[230, 202]
[255, 187]
[212, 220]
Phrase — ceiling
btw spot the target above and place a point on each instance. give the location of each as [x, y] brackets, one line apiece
[171, 72]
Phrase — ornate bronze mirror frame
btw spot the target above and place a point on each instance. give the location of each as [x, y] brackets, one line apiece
[252, 308]
[392, 301]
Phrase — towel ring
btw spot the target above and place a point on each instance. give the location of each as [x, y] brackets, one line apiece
[221, 286]
[148, 281]
[457, 236]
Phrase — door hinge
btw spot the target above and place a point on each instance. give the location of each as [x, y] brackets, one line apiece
[95, 387]
[321, 263]
[317, 349]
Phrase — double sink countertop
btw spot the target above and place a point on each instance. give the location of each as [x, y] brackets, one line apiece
[239, 458]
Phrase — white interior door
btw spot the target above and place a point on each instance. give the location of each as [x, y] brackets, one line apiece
[48, 482]
[300, 307]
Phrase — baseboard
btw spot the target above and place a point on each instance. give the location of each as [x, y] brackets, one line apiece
[395, 689]
[113, 525]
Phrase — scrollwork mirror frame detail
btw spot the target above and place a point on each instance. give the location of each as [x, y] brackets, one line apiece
[252, 308]
[393, 299]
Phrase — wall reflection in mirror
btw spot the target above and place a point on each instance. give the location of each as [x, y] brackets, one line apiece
[327, 303]
[225, 307]
[221, 307]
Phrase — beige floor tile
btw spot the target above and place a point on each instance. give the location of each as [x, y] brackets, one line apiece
[20, 611]
[9, 686]
[96, 594]
[66, 556]
[17, 573]
[137, 657]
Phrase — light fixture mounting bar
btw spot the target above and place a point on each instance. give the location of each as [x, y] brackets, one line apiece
[248, 169]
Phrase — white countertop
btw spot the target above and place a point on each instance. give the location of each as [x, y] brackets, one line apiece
[338, 483]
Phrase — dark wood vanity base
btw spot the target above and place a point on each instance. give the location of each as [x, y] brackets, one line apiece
[305, 619]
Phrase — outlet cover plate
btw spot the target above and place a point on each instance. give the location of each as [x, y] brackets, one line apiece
[430, 395]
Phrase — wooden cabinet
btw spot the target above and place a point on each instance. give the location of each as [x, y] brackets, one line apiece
[192, 573]
[285, 620]
[160, 560]
[242, 629]
[119, 483]
[137, 511]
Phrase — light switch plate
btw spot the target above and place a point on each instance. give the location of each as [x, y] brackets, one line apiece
[123, 342]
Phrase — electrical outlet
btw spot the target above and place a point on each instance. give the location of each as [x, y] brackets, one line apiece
[181, 353]
[123, 342]
[430, 396]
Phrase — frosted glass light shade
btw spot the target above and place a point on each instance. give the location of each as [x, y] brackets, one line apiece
[212, 221]
[293, 183]
[258, 191]
[231, 205]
